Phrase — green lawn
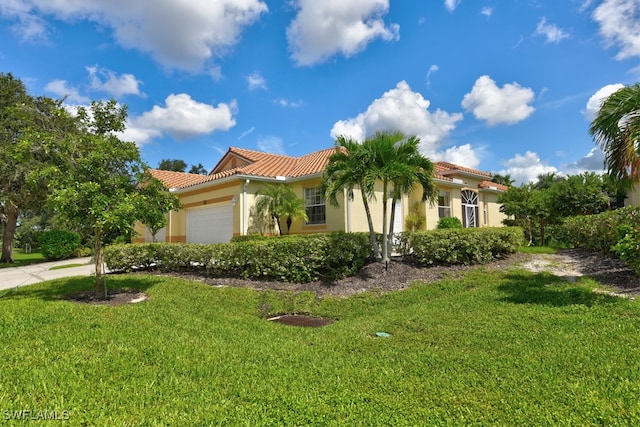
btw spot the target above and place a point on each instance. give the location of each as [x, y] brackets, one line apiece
[20, 258]
[510, 348]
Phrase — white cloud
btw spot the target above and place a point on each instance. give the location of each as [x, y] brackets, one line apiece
[322, 29]
[486, 11]
[508, 105]
[62, 89]
[451, 4]
[432, 69]
[181, 118]
[618, 21]
[270, 144]
[247, 132]
[401, 109]
[178, 34]
[255, 81]
[288, 103]
[526, 168]
[593, 161]
[593, 104]
[551, 32]
[464, 155]
[107, 81]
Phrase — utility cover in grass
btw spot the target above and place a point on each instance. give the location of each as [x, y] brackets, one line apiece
[301, 320]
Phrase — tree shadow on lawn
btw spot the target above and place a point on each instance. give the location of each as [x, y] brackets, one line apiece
[547, 289]
[66, 288]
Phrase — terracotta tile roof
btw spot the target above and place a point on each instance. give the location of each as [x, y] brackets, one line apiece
[176, 179]
[268, 165]
[488, 184]
[445, 168]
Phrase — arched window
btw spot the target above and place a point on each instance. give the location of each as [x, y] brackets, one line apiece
[469, 208]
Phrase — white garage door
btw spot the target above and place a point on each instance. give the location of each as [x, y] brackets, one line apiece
[210, 224]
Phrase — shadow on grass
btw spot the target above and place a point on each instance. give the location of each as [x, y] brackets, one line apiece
[546, 289]
[58, 289]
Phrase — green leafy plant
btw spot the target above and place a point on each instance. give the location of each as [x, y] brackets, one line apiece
[58, 244]
[449, 222]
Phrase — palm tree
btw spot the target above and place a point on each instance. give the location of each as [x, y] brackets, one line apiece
[398, 164]
[347, 169]
[616, 130]
[279, 201]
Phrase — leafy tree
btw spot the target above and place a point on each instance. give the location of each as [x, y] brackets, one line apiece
[579, 195]
[280, 201]
[154, 203]
[174, 165]
[391, 158]
[502, 179]
[616, 130]
[347, 170]
[30, 133]
[101, 189]
[198, 169]
[546, 180]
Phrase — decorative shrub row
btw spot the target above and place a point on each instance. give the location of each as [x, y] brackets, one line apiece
[291, 258]
[58, 244]
[614, 233]
[601, 232]
[460, 246]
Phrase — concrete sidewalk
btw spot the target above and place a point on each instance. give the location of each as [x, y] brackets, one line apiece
[14, 277]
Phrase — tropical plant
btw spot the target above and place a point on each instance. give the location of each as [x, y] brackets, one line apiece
[155, 201]
[390, 158]
[279, 201]
[616, 130]
[174, 165]
[347, 170]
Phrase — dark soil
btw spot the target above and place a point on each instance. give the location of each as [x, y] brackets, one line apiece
[400, 274]
[114, 297]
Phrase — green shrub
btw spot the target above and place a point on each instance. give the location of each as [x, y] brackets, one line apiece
[288, 258]
[83, 251]
[58, 244]
[464, 246]
[628, 246]
[599, 233]
[248, 237]
[449, 222]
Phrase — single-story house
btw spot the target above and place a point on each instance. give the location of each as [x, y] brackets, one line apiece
[217, 206]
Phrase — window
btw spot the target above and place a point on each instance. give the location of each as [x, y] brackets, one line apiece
[314, 205]
[469, 208]
[444, 204]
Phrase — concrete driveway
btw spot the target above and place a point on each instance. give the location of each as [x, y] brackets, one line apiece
[14, 277]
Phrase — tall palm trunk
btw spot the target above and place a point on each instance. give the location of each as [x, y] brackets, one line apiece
[372, 231]
[8, 231]
[392, 220]
[385, 225]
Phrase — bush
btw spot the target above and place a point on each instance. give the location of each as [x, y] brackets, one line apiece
[248, 237]
[599, 233]
[83, 251]
[628, 246]
[464, 246]
[288, 258]
[58, 244]
[449, 222]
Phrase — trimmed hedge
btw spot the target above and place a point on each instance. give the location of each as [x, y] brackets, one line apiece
[601, 232]
[58, 244]
[460, 246]
[297, 259]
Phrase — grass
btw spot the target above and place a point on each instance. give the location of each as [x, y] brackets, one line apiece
[491, 348]
[21, 258]
[537, 249]
[59, 267]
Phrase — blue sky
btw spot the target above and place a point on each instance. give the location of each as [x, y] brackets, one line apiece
[502, 86]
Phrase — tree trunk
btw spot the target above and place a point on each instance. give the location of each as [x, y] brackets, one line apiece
[385, 233]
[8, 232]
[372, 231]
[391, 221]
[289, 221]
[100, 286]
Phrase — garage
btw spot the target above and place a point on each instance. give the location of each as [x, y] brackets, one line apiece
[210, 224]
